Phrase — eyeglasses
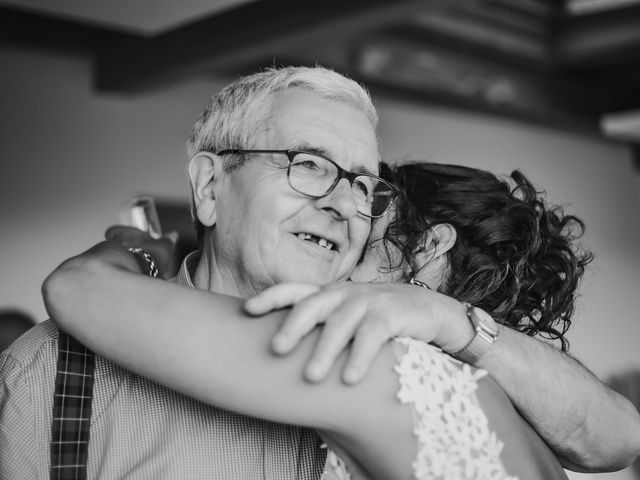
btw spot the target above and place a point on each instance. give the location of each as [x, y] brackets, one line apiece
[315, 176]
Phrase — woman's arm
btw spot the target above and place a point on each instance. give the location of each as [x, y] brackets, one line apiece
[203, 345]
[588, 425]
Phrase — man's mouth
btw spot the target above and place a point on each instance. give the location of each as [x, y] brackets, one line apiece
[323, 242]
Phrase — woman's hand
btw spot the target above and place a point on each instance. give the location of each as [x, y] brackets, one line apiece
[367, 314]
[163, 249]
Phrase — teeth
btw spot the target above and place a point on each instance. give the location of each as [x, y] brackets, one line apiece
[323, 242]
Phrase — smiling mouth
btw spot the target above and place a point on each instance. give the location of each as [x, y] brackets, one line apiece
[323, 242]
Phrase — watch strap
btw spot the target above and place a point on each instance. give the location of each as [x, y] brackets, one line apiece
[481, 342]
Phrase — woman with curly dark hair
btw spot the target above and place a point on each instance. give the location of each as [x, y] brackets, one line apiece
[459, 231]
[514, 256]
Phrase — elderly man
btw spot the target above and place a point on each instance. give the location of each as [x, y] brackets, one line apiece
[265, 233]
[259, 225]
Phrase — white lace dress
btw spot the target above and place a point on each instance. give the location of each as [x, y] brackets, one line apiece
[453, 434]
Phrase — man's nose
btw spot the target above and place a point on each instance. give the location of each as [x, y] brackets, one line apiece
[341, 201]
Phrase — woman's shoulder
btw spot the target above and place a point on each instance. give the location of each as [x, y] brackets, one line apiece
[454, 435]
[466, 426]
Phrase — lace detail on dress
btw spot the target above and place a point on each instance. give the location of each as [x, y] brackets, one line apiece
[454, 439]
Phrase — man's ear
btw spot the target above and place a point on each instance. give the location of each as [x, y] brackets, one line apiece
[204, 169]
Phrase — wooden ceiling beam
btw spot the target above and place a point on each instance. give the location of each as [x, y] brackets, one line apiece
[597, 39]
[526, 51]
[252, 31]
[586, 65]
[463, 80]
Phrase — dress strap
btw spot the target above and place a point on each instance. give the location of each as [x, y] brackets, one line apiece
[71, 410]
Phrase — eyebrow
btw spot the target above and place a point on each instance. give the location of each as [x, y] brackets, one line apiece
[307, 147]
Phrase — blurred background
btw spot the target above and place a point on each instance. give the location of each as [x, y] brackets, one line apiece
[97, 100]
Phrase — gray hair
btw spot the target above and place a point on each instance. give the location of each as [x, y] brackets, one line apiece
[235, 114]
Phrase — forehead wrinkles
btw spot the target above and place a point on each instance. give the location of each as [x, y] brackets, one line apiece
[353, 141]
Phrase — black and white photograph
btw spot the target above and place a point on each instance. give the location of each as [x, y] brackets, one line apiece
[337, 240]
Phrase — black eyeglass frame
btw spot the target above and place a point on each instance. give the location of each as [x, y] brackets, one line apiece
[342, 173]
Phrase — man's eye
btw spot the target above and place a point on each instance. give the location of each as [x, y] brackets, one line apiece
[309, 164]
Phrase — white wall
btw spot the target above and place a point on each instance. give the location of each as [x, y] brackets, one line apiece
[70, 158]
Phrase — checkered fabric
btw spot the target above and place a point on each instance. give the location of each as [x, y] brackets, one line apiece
[70, 425]
[140, 430]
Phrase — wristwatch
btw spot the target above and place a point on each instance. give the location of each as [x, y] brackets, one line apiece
[486, 332]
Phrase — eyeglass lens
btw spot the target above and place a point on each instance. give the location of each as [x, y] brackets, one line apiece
[316, 176]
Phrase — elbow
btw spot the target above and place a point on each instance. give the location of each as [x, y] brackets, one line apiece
[612, 462]
[593, 455]
[56, 287]
[62, 287]
[630, 445]
[634, 443]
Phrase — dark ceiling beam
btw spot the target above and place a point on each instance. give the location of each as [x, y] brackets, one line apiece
[621, 87]
[591, 66]
[527, 52]
[562, 120]
[517, 32]
[237, 36]
[597, 39]
[532, 16]
[536, 8]
[462, 80]
[27, 29]
[508, 21]
[604, 47]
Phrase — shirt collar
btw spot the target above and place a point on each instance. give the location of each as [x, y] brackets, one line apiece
[188, 269]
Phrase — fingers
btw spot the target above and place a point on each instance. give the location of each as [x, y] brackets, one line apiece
[368, 340]
[338, 331]
[279, 296]
[304, 316]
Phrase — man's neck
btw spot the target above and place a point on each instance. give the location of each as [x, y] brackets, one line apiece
[210, 275]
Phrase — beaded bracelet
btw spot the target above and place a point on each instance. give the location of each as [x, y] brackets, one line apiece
[146, 256]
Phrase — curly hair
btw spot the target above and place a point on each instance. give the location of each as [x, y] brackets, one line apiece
[515, 256]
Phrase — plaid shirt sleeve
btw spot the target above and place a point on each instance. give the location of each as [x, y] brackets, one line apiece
[18, 437]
